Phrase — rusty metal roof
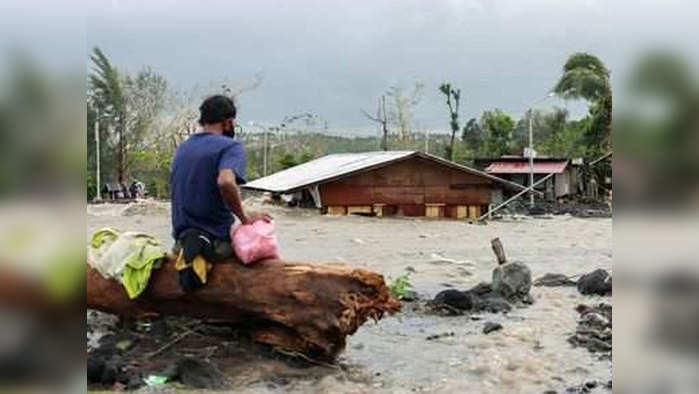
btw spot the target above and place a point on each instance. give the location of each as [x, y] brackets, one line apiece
[332, 167]
[522, 167]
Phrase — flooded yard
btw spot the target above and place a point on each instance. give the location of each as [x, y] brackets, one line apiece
[529, 354]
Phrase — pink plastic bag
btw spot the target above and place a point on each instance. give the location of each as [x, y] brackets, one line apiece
[255, 242]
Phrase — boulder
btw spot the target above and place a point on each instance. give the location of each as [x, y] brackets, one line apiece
[480, 298]
[597, 282]
[512, 280]
[461, 300]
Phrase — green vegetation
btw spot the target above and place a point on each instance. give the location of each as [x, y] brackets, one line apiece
[142, 121]
[498, 128]
[400, 286]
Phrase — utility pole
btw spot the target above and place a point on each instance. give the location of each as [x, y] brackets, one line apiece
[531, 147]
[427, 141]
[531, 159]
[264, 154]
[98, 196]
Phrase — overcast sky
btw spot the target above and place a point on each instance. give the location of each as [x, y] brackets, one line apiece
[335, 57]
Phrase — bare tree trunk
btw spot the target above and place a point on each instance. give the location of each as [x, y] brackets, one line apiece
[384, 123]
[121, 155]
[382, 119]
[297, 307]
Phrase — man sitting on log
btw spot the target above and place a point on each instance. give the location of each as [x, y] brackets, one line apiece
[206, 172]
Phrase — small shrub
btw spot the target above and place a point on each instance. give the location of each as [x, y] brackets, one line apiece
[400, 286]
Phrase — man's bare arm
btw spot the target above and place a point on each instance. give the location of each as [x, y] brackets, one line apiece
[231, 194]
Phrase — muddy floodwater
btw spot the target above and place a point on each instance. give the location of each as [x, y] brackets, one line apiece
[529, 354]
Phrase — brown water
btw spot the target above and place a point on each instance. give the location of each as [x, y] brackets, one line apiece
[530, 354]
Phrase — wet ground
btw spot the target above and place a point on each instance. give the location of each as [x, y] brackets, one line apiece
[530, 353]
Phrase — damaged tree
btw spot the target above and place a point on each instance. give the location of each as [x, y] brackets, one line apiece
[295, 307]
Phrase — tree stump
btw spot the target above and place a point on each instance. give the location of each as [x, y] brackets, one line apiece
[499, 251]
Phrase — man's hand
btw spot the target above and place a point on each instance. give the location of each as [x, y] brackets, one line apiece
[252, 217]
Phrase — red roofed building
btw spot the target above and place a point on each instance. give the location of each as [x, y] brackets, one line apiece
[516, 169]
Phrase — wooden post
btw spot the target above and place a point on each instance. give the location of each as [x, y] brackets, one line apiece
[499, 251]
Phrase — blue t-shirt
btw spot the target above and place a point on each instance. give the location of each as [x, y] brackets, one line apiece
[196, 199]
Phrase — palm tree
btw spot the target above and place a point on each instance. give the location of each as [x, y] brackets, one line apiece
[108, 97]
[586, 77]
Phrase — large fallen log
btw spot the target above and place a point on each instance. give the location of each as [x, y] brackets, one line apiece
[309, 309]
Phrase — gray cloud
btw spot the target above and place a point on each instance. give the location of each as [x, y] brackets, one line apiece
[337, 57]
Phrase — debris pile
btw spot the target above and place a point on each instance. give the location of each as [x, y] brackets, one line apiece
[579, 208]
[180, 353]
[594, 331]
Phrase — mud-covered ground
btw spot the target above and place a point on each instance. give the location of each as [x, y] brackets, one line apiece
[529, 354]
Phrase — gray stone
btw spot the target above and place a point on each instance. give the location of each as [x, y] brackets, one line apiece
[490, 327]
[597, 282]
[461, 300]
[492, 304]
[512, 280]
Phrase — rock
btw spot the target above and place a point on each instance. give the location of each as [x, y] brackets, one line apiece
[480, 298]
[95, 369]
[512, 280]
[492, 304]
[490, 327]
[583, 388]
[199, 374]
[481, 289]
[410, 269]
[553, 280]
[591, 384]
[461, 300]
[105, 368]
[597, 282]
[594, 331]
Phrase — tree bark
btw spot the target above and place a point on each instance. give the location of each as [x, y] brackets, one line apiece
[296, 307]
[499, 251]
